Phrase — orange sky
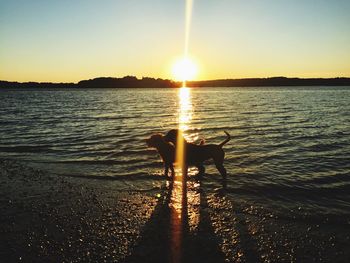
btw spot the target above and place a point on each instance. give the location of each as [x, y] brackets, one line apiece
[66, 41]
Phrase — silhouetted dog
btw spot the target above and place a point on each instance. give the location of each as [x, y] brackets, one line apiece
[197, 154]
[166, 151]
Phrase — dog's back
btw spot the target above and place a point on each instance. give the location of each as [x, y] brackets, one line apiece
[198, 153]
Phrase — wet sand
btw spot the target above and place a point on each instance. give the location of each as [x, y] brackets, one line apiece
[45, 218]
[49, 219]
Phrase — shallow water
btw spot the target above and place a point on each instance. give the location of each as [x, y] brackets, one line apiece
[289, 152]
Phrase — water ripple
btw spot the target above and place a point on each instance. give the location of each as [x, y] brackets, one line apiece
[291, 146]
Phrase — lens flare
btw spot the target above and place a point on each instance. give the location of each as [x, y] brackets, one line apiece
[188, 10]
[179, 191]
[185, 69]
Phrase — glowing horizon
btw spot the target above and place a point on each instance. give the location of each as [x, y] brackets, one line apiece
[65, 41]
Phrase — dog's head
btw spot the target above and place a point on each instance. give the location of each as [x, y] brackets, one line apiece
[155, 140]
[172, 136]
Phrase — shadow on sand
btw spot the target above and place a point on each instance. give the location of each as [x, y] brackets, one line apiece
[157, 242]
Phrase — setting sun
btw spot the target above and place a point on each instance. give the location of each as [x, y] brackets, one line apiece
[184, 69]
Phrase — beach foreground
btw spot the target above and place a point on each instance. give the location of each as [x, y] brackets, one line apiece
[46, 218]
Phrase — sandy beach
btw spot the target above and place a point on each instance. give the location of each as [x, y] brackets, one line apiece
[45, 218]
[49, 219]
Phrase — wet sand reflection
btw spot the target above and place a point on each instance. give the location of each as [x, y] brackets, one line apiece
[179, 213]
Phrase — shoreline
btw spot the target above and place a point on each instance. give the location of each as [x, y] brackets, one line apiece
[46, 218]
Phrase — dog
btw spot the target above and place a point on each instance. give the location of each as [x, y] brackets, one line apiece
[166, 151]
[196, 154]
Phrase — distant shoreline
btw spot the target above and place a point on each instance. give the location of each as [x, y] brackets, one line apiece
[133, 82]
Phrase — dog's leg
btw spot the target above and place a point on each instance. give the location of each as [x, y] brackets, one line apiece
[166, 169]
[219, 163]
[201, 169]
[172, 170]
[221, 169]
[185, 171]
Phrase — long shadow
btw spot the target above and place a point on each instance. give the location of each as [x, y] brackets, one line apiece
[166, 240]
[203, 245]
[153, 245]
[248, 243]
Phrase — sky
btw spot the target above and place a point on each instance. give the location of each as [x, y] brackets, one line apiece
[71, 40]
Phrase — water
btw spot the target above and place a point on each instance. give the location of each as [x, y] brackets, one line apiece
[290, 147]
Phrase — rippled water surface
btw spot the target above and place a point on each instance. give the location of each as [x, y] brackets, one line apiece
[290, 147]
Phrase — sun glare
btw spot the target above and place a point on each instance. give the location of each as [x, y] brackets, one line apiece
[184, 69]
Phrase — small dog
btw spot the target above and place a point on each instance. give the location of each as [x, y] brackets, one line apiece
[166, 151]
[197, 154]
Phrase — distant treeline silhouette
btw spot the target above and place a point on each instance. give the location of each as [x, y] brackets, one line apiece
[268, 82]
[103, 82]
[145, 82]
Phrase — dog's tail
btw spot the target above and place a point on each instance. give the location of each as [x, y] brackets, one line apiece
[226, 140]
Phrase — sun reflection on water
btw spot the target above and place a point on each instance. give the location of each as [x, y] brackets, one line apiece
[184, 120]
[185, 108]
[178, 202]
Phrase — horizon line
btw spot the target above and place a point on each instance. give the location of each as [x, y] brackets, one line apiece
[176, 81]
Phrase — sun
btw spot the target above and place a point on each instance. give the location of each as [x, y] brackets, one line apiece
[184, 69]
